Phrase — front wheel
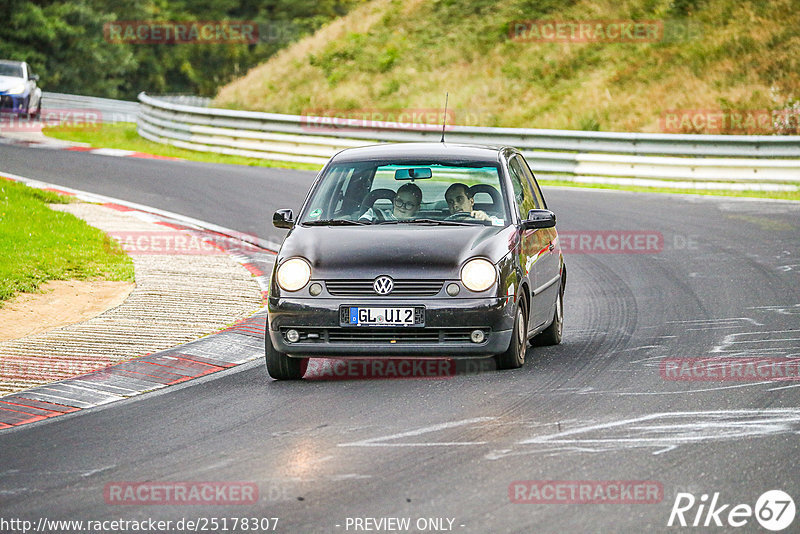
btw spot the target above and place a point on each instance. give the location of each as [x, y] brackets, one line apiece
[280, 366]
[514, 357]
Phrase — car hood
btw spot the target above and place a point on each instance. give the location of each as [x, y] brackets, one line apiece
[7, 82]
[400, 251]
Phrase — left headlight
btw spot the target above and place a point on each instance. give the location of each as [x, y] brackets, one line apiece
[478, 275]
[294, 274]
[17, 89]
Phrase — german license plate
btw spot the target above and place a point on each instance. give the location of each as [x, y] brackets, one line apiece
[382, 316]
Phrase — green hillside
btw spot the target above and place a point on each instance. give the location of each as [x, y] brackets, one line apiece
[736, 56]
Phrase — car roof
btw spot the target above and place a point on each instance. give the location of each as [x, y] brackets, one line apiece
[422, 152]
[9, 62]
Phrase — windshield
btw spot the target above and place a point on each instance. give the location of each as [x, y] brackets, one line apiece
[10, 69]
[403, 193]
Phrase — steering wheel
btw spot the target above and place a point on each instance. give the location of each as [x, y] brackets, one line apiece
[497, 201]
[372, 197]
[459, 216]
[375, 195]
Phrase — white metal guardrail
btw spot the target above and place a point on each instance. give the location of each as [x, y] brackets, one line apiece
[108, 110]
[764, 162]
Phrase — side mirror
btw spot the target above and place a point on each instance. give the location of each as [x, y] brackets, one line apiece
[283, 219]
[34, 77]
[539, 219]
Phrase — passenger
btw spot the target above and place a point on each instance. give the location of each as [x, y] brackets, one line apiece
[460, 200]
[406, 203]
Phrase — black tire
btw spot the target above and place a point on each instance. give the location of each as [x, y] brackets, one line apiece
[514, 357]
[552, 334]
[38, 110]
[280, 366]
[28, 108]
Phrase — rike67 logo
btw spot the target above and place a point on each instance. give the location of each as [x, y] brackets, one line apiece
[774, 510]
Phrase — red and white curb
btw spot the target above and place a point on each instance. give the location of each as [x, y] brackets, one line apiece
[34, 140]
[232, 346]
[118, 152]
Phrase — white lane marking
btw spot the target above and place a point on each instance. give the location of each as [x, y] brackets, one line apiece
[784, 387]
[112, 152]
[782, 310]
[762, 337]
[377, 442]
[713, 322]
[348, 476]
[684, 392]
[663, 432]
[719, 424]
[98, 470]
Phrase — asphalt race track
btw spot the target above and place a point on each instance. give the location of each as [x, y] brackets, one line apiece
[724, 281]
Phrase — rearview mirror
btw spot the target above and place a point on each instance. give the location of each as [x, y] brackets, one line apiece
[34, 77]
[539, 219]
[283, 219]
[413, 174]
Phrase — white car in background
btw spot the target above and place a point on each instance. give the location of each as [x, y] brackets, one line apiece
[18, 91]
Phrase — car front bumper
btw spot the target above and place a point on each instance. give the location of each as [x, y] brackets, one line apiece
[13, 103]
[448, 325]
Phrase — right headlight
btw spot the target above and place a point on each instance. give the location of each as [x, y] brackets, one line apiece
[478, 275]
[294, 274]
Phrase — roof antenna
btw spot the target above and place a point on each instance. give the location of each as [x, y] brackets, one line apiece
[444, 120]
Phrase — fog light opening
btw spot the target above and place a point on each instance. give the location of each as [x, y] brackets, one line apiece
[293, 336]
[477, 336]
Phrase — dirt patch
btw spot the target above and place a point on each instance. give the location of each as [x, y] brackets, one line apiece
[61, 303]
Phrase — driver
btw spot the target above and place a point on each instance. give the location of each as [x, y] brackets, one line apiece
[406, 204]
[460, 200]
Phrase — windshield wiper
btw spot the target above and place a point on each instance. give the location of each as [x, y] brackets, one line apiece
[439, 222]
[335, 222]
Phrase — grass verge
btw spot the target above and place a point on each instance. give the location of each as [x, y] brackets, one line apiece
[712, 68]
[124, 136]
[38, 244]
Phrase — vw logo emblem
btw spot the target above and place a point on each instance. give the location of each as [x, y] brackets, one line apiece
[383, 285]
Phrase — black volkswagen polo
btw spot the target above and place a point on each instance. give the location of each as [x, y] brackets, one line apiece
[416, 250]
